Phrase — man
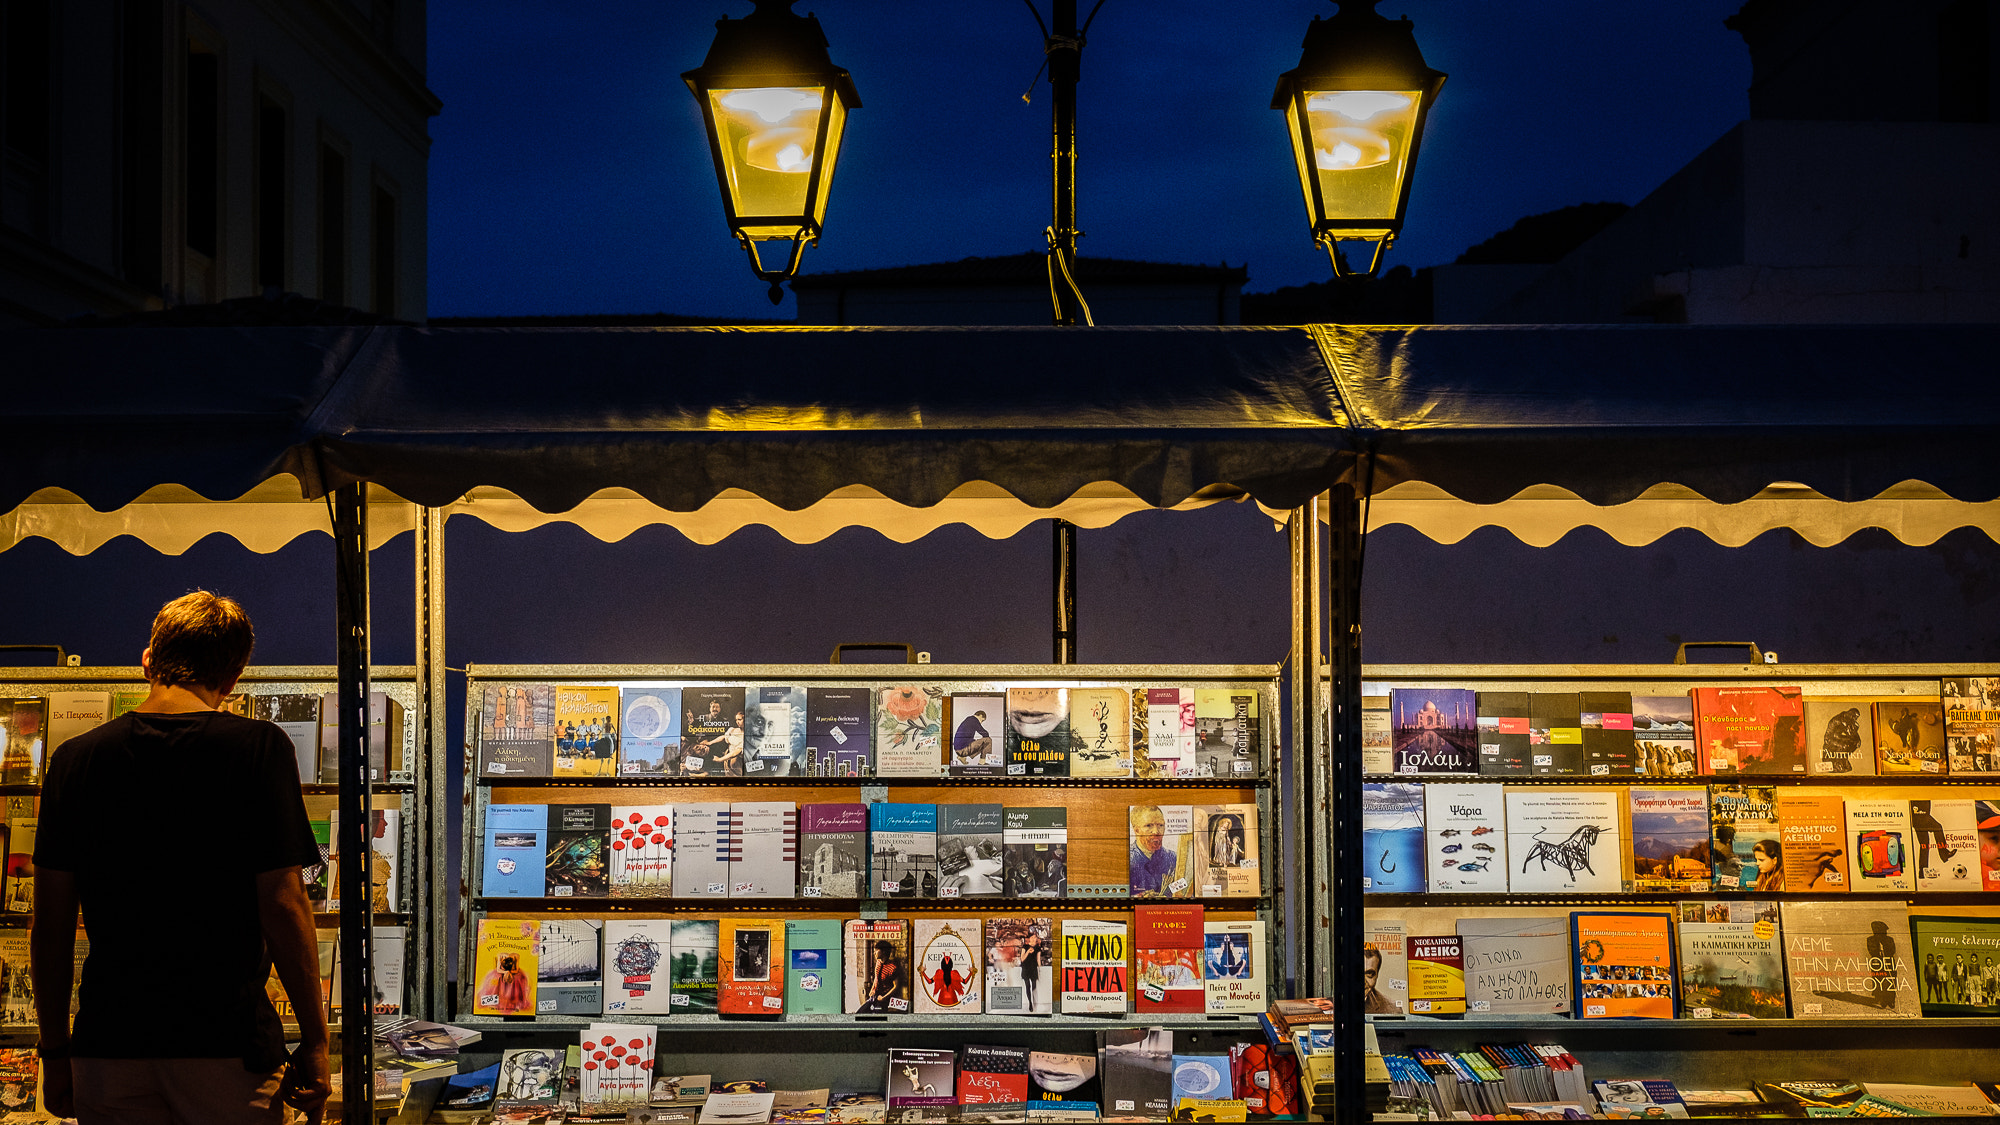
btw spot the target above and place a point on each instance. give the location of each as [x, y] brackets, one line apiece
[1152, 863]
[1373, 1001]
[209, 1050]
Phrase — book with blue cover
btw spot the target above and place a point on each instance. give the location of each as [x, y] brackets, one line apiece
[515, 855]
[649, 741]
[902, 851]
[1392, 837]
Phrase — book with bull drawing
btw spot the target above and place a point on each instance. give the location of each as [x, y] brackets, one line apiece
[1564, 840]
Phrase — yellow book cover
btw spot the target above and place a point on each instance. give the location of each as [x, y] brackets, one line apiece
[1211, 1109]
[504, 967]
[1100, 731]
[1812, 830]
[586, 729]
[1437, 975]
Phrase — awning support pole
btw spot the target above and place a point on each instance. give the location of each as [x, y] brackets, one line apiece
[355, 802]
[1343, 985]
[1065, 592]
[432, 766]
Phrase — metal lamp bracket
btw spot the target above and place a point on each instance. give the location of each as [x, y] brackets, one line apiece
[777, 278]
[1331, 241]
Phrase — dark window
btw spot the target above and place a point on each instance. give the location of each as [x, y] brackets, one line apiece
[332, 226]
[29, 99]
[273, 136]
[204, 106]
[385, 252]
[1965, 62]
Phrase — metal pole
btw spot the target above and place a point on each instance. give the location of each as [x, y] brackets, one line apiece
[432, 769]
[355, 802]
[1303, 875]
[1065, 576]
[1344, 786]
[1065, 51]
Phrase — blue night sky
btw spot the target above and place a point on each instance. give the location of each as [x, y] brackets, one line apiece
[569, 172]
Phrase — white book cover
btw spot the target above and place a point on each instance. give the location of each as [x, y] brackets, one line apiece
[1465, 838]
[1232, 968]
[737, 1109]
[1564, 840]
[569, 966]
[635, 967]
[701, 850]
[1165, 746]
[387, 946]
[1385, 954]
[617, 1064]
[1516, 966]
[385, 840]
[642, 851]
[1880, 857]
[1096, 960]
[763, 849]
[949, 953]
[73, 712]
[1944, 843]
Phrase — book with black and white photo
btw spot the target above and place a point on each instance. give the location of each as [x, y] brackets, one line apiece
[1035, 851]
[833, 850]
[902, 850]
[970, 851]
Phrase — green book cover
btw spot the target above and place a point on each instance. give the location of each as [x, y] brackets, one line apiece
[694, 971]
[812, 966]
[1957, 960]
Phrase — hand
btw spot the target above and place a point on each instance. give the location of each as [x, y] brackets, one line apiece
[308, 1082]
[58, 1088]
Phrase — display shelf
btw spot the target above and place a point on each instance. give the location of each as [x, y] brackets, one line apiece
[793, 781]
[384, 919]
[1421, 1024]
[977, 1022]
[1923, 780]
[1668, 898]
[332, 789]
[847, 907]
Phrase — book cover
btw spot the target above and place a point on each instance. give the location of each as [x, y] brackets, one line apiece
[1020, 964]
[385, 868]
[1944, 1101]
[1228, 732]
[1100, 728]
[586, 731]
[617, 1065]
[1096, 959]
[694, 967]
[516, 730]
[1035, 851]
[642, 851]
[579, 842]
[1750, 729]
[1225, 851]
[1670, 848]
[752, 979]
[319, 877]
[728, 1107]
[1392, 837]
[763, 849]
[1062, 1082]
[1378, 734]
[1516, 966]
[1987, 814]
[1732, 970]
[920, 1078]
[948, 953]
[1909, 736]
[1160, 861]
[1555, 733]
[1609, 747]
[978, 747]
[1812, 830]
[569, 966]
[839, 730]
[1138, 1071]
[1170, 730]
[1564, 840]
[1663, 735]
[1744, 830]
[385, 737]
[774, 731]
[1878, 845]
[909, 720]
[712, 731]
[649, 738]
[635, 967]
[833, 850]
[1266, 1081]
[1839, 736]
[701, 850]
[1437, 975]
[1958, 959]
[1038, 732]
[1944, 837]
[504, 964]
[515, 855]
[1233, 967]
[529, 1077]
[1971, 724]
[857, 1107]
[1849, 959]
[1201, 1076]
[799, 1107]
[1167, 944]
[23, 738]
[1437, 730]
[1385, 967]
[296, 713]
[902, 850]
[1624, 964]
[877, 955]
[1465, 835]
[1502, 726]
[970, 851]
[17, 1000]
[812, 966]
[990, 1075]
[469, 1091]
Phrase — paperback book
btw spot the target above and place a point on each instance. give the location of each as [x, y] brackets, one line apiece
[1878, 840]
[812, 966]
[515, 851]
[1233, 969]
[1378, 735]
[385, 735]
[774, 731]
[296, 713]
[1609, 748]
[505, 966]
[839, 730]
[516, 730]
[1160, 859]
[1812, 830]
[586, 731]
[1096, 958]
[1732, 970]
[1437, 975]
[833, 850]
[1465, 833]
[1944, 836]
[1436, 730]
[978, 747]
[1167, 955]
[920, 1078]
[1744, 830]
[970, 854]
[712, 731]
[1385, 967]
[948, 954]
[1062, 1081]
[1670, 842]
[763, 849]
[636, 978]
[1959, 959]
[1035, 851]
[1555, 733]
[569, 966]
[1840, 738]
[902, 843]
[1100, 726]
[752, 980]
[617, 1065]
[701, 850]
[799, 1107]
[877, 955]
[694, 968]
[578, 864]
[1971, 724]
[1564, 840]
[1038, 732]
[908, 723]
[649, 740]
[1987, 816]
[1624, 964]
[1502, 731]
[1225, 851]
[642, 851]
[1138, 1071]
[1392, 837]
[1663, 735]
[1170, 729]
[1909, 736]
[1849, 959]
[1020, 964]
[1201, 1077]
[1515, 966]
[1228, 732]
[1751, 729]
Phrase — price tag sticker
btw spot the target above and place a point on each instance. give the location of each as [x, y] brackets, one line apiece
[774, 1002]
[1154, 993]
[1180, 886]
[898, 1004]
[563, 892]
[811, 891]
[755, 767]
[1593, 1009]
[1701, 1013]
[678, 1001]
[889, 886]
[718, 888]
[742, 888]
[839, 736]
[947, 892]
[545, 1005]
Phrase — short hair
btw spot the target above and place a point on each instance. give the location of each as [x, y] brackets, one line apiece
[1370, 953]
[1770, 848]
[200, 639]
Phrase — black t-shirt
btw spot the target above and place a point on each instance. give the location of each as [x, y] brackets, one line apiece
[166, 821]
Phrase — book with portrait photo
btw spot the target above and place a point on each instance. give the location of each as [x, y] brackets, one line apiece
[877, 968]
[774, 731]
[978, 722]
[1160, 862]
[1020, 964]
[751, 974]
[1226, 860]
[1038, 732]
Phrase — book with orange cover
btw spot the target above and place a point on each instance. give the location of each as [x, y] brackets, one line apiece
[1812, 828]
[753, 976]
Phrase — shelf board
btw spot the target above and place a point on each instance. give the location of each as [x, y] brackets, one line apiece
[1258, 781]
[323, 916]
[1665, 898]
[712, 1022]
[982, 904]
[332, 788]
[1425, 1025]
[1571, 779]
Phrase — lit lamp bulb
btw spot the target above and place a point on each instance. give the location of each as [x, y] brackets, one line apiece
[787, 149]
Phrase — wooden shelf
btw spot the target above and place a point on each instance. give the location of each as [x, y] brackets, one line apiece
[1665, 898]
[1571, 779]
[1238, 1024]
[1242, 781]
[848, 907]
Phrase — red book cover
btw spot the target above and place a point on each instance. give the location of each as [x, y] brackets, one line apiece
[1750, 730]
[1167, 944]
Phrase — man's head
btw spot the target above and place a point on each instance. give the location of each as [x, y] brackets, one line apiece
[199, 640]
[1371, 965]
[1149, 827]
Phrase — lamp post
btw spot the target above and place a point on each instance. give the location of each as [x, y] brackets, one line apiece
[775, 106]
[1355, 108]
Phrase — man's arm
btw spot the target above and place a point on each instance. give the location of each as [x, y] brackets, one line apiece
[52, 955]
[285, 916]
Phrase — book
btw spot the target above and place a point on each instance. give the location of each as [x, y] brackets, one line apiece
[469, 1091]
[1909, 736]
[1878, 845]
[636, 974]
[833, 850]
[679, 1090]
[1100, 729]
[1732, 970]
[1437, 975]
[586, 731]
[1233, 967]
[857, 1107]
[1378, 734]
[1944, 838]
[1750, 729]
[694, 966]
[1201, 1076]
[1943, 1101]
[23, 730]
[737, 1108]
[296, 713]
[1170, 730]
[1555, 733]
[1020, 964]
[1650, 1098]
[712, 731]
[1266, 1082]
[1986, 814]
[752, 975]
[649, 737]
[1502, 726]
[1957, 959]
[1137, 1071]
[902, 850]
[1663, 735]
[385, 838]
[617, 1065]
[1437, 730]
[978, 743]
[839, 728]
[1225, 851]
[1392, 837]
[1038, 732]
[1228, 732]
[1385, 967]
[1160, 859]
[1744, 834]
[642, 851]
[504, 964]
[19, 894]
[1971, 723]
[1465, 837]
[530, 1077]
[990, 1075]
[1849, 959]
[579, 842]
[1515, 966]
[971, 856]
[908, 730]
[1624, 964]
[516, 730]
[774, 731]
[1564, 840]
[385, 737]
[920, 1078]
[948, 956]
[877, 955]
[1812, 830]
[701, 850]
[1096, 963]
[17, 1000]
[763, 849]
[1056, 1079]
[1167, 943]
[1609, 747]
[1839, 736]
[1670, 841]
[799, 1107]
[1035, 851]
[569, 966]
[812, 966]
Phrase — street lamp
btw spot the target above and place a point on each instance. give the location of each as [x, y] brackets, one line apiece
[1355, 107]
[775, 107]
